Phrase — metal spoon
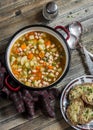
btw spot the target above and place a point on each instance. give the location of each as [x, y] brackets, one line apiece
[75, 30]
[72, 42]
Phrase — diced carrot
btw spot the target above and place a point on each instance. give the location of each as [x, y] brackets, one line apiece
[48, 43]
[23, 46]
[44, 63]
[31, 33]
[41, 54]
[14, 63]
[50, 66]
[30, 56]
[38, 68]
[28, 34]
[16, 72]
[16, 51]
[38, 76]
[35, 41]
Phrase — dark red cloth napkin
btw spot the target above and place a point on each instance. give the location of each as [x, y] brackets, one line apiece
[26, 100]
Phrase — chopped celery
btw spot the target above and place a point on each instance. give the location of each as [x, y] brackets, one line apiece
[12, 59]
[41, 47]
[28, 83]
[27, 64]
[51, 75]
[41, 41]
[23, 60]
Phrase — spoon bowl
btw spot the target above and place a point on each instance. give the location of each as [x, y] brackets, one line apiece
[72, 42]
[75, 28]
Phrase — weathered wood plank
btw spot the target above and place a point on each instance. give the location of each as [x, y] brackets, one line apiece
[57, 126]
[31, 15]
[15, 14]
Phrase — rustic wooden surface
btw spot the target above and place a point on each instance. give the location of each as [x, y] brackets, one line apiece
[15, 14]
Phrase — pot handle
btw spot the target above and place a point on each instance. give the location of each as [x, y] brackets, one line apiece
[9, 85]
[65, 30]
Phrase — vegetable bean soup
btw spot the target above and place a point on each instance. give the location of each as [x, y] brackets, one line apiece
[37, 59]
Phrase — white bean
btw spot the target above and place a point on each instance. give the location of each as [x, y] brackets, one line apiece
[57, 73]
[36, 33]
[36, 37]
[40, 85]
[51, 57]
[47, 54]
[45, 83]
[31, 37]
[19, 69]
[29, 72]
[53, 45]
[25, 79]
[34, 71]
[38, 58]
[41, 61]
[29, 80]
[20, 49]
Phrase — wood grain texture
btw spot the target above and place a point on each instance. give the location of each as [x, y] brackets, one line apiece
[14, 15]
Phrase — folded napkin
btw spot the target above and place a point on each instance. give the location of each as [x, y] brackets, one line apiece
[26, 100]
[89, 61]
[2, 72]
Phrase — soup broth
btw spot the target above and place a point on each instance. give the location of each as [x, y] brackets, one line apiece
[37, 59]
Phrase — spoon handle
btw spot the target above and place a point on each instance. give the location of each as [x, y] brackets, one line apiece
[88, 61]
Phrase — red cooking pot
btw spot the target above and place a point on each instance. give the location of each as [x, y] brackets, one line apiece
[42, 28]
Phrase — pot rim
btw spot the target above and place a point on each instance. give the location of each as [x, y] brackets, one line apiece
[63, 40]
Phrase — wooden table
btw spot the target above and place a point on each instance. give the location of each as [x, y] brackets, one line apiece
[15, 14]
